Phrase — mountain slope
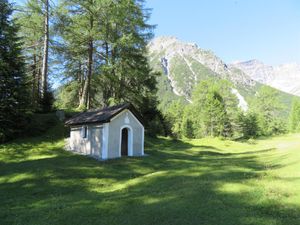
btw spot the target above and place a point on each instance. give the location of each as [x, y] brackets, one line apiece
[285, 77]
[183, 65]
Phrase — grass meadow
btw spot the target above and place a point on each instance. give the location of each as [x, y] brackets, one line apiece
[205, 181]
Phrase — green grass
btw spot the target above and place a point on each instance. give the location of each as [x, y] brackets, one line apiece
[206, 181]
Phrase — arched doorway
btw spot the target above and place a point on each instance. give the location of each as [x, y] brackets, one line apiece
[126, 139]
[124, 142]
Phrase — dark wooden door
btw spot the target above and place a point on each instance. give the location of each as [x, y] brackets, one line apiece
[124, 142]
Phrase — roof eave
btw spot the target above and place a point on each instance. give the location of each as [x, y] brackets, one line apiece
[86, 123]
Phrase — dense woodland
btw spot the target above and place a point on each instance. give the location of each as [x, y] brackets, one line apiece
[214, 111]
[97, 50]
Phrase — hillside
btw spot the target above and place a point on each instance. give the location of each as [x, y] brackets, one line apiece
[205, 181]
[183, 65]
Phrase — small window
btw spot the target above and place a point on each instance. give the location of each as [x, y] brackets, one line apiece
[84, 132]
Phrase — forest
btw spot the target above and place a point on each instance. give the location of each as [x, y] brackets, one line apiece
[83, 54]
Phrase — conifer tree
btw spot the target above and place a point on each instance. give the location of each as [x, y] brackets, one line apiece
[13, 90]
[44, 81]
[30, 21]
[294, 119]
[248, 124]
[104, 47]
[78, 25]
[215, 109]
[33, 17]
[268, 108]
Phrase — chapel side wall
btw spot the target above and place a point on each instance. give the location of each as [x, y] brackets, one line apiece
[77, 143]
[92, 145]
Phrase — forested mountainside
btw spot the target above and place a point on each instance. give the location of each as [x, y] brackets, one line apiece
[184, 65]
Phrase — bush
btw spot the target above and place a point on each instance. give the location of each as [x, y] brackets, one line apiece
[40, 123]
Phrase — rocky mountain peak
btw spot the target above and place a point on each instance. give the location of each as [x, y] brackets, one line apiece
[172, 47]
[285, 77]
[256, 69]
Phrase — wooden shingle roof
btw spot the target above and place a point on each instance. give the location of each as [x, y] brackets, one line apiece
[102, 115]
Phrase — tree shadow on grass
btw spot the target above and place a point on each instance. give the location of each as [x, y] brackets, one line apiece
[173, 185]
[22, 148]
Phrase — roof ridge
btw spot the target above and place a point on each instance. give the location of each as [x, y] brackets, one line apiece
[103, 115]
[108, 107]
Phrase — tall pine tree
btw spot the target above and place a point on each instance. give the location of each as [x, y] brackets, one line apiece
[33, 17]
[215, 109]
[268, 109]
[104, 43]
[13, 90]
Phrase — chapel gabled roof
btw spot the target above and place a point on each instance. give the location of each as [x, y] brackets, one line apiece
[102, 115]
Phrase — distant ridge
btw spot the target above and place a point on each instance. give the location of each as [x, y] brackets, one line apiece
[285, 77]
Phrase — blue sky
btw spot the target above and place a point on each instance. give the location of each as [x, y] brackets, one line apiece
[267, 30]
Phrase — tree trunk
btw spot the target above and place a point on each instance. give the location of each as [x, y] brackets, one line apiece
[86, 95]
[89, 75]
[46, 50]
[34, 81]
[106, 53]
[39, 75]
[82, 102]
[80, 80]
